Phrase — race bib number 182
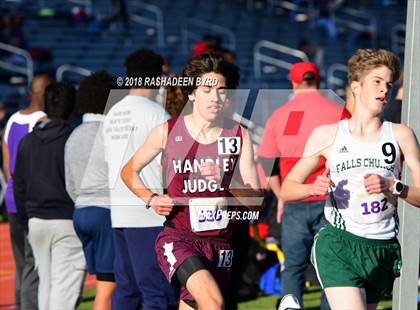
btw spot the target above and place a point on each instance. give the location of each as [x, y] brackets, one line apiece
[372, 208]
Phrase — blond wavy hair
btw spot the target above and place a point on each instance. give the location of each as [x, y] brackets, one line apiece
[367, 59]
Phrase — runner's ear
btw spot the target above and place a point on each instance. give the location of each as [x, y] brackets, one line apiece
[191, 97]
[355, 87]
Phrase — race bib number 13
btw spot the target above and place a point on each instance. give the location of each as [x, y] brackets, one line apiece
[229, 145]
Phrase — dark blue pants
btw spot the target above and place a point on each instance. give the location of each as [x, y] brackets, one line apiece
[140, 282]
[300, 223]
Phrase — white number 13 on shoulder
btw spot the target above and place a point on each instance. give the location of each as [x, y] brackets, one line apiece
[225, 258]
[229, 145]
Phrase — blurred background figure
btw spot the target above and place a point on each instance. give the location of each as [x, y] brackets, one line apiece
[20, 124]
[86, 174]
[203, 46]
[45, 207]
[140, 282]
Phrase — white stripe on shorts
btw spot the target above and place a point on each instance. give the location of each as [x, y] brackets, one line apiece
[313, 255]
[170, 257]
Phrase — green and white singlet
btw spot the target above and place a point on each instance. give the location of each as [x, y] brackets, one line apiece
[349, 207]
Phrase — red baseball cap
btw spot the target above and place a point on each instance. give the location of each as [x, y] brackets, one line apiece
[298, 70]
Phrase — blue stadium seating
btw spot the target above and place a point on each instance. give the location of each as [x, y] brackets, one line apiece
[77, 45]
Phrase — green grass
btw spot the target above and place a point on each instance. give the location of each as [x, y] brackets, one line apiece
[311, 300]
[88, 297]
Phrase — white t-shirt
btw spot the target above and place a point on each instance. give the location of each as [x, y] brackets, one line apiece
[353, 209]
[125, 129]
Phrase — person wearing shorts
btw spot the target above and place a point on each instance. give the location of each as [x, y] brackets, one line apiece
[86, 174]
[357, 255]
[279, 150]
[200, 152]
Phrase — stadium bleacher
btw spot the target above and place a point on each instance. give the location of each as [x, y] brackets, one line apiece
[80, 45]
[172, 27]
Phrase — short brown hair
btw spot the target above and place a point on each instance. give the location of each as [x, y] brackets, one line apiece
[210, 62]
[310, 79]
[367, 59]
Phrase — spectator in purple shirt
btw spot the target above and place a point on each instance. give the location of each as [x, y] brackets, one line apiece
[18, 125]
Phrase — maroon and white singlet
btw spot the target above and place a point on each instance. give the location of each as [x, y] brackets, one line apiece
[181, 160]
[194, 227]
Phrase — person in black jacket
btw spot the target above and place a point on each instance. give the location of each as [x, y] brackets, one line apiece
[41, 196]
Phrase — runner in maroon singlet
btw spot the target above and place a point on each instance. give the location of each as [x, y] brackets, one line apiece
[200, 152]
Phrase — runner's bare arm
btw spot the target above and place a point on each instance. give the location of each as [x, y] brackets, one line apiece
[246, 162]
[143, 156]
[410, 150]
[294, 187]
[274, 184]
[251, 195]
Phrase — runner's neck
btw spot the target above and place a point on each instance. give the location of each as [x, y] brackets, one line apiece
[201, 130]
[365, 129]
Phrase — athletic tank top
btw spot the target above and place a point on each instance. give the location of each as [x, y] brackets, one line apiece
[181, 160]
[349, 207]
[17, 127]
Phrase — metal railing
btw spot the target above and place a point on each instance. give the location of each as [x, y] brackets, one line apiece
[187, 32]
[398, 38]
[356, 20]
[70, 68]
[27, 70]
[86, 3]
[306, 7]
[156, 23]
[302, 10]
[262, 58]
[335, 83]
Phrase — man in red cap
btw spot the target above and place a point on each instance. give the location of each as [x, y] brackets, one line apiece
[283, 142]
